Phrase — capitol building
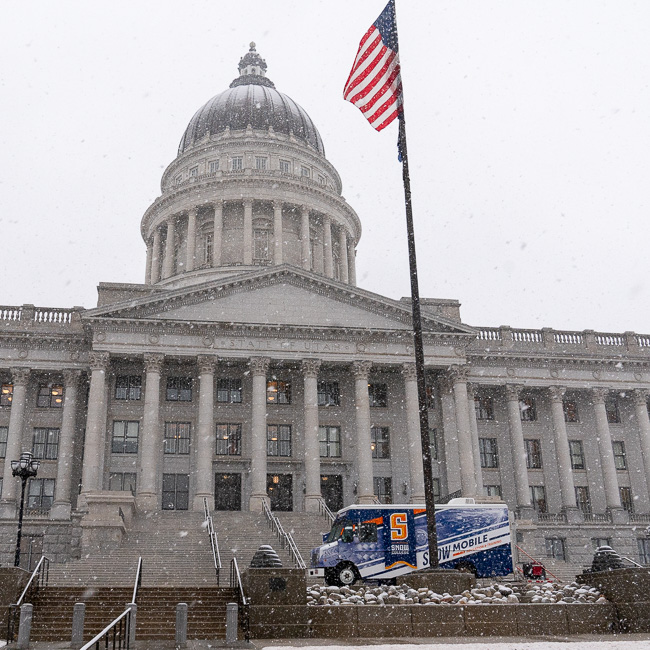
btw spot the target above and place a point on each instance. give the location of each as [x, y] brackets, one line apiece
[249, 367]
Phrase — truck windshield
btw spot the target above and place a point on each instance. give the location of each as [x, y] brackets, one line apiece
[343, 530]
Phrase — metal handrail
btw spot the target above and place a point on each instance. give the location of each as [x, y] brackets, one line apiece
[286, 539]
[138, 579]
[325, 511]
[632, 562]
[121, 634]
[214, 542]
[235, 582]
[39, 578]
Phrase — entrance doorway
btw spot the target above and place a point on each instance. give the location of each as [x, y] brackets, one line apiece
[176, 491]
[331, 489]
[31, 549]
[279, 487]
[227, 492]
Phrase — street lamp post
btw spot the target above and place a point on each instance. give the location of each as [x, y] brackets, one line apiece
[24, 468]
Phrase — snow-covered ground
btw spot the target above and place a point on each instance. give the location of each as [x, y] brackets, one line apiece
[489, 645]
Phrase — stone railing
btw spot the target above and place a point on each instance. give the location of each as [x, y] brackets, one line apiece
[28, 314]
[551, 517]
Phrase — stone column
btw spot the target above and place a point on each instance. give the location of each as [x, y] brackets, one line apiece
[150, 438]
[170, 249]
[259, 367]
[641, 409]
[413, 432]
[473, 425]
[327, 247]
[155, 256]
[304, 238]
[190, 257]
[365, 492]
[604, 437]
[450, 434]
[352, 263]
[343, 254]
[458, 376]
[147, 270]
[205, 434]
[248, 231]
[93, 469]
[62, 496]
[278, 237]
[10, 484]
[312, 448]
[217, 234]
[567, 487]
[518, 452]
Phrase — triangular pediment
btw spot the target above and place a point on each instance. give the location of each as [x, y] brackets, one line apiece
[283, 296]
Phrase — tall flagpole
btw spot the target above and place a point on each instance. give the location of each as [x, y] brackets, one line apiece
[418, 346]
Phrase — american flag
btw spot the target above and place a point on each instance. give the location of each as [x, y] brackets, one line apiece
[374, 85]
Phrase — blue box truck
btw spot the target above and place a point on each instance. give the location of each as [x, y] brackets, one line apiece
[383, 542]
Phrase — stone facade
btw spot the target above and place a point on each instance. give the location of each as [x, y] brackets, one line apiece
[248, 367]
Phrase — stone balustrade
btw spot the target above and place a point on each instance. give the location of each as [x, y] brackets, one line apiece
[28, 314]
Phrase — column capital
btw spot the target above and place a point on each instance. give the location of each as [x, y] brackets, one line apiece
[259, 365]
[361, 369]
[640, 396]
[247, 202]
[310, 367]
[206, 363]
[153, 361]
[99, 360]
[193, 211]
[458, 373]
[409, 372]
[171, 221]
[20, 376]
[277, 205]
[556, 393]
[513, 391]
[327, 219]
[599, 395]
[71, 377]
[471, 390]
[305, 209]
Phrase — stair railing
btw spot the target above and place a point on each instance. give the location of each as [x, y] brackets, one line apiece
[536, 561]
[39, 578]
[244, 609]
[138, 580]
[214, 543]
[286, 539]
[116, 635]
[325, 511]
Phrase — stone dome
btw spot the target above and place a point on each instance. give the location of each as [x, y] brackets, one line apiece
[251, 100]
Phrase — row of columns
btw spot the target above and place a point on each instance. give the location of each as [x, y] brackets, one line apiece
[160, 264]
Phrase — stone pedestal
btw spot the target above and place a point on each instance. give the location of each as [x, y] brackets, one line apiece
[108, 517]
[439, 580]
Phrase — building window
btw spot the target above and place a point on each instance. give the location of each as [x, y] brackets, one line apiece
[213, 166]
[555, 548]
[194, 172]
[50, 396]
[570, 407]
[6, 394]
[175, 491]
[4, 432]
[179, 389]
[125, 437]
[285, 166]
[533, 453]
[577, 454]
[433, 444]
[380, 442]
[377, 395]
[383, 489]
[121, 482]
[626, 499]
[208, 248]
[278, 392]
[128, 387]
[431, 397]
[484, 407]
[261, 162]
[328, 393]
[46, 444]
[597, 542]
[582, 499]
[178, 180]
[538, 498]
[643, 545]
[40, 494]
[260, 245]
[228, 439]
[177, 438]
[1, 480]
[620, 461]
[278, 440]
[321, 179]
[305, 172]
[329, 439]
[492, 491]
[611, 408]
[528, 410]
[489, 453]
[229, 391]
[237, 163]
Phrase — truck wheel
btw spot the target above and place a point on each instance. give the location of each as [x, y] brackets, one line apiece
[346, 574]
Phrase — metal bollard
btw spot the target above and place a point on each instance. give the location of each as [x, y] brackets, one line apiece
[25, 628]
[231, 622]
[78, 615]
[134, 614]
[181, 625]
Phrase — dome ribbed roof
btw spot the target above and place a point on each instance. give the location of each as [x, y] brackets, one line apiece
[251, 100]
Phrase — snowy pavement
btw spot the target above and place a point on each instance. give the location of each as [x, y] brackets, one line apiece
[628, 644]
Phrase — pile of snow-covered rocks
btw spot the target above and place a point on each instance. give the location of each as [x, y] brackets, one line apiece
[496, 594]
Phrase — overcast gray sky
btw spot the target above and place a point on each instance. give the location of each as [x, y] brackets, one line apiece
[528, 126]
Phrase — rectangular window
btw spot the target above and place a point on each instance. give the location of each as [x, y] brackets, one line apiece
[533, 453]
[278, 392]
[582, 499]
[278, 440]
[643, 544]
[492, 491]
[1, 479]
[380, 442]
[329, 440]
[40, 494]
[555, 548]
[328, 393]
[528, 409]
[484, 407]
[229, 391]
[46, 444]
[620, 461]
[177, 438]
[50, 396]
[305, 172]
[383, 489]
[377, 395]
[611, 408]
[538, 497]
[261, 162]
[228, 439]
[431, 397]
[122, 481]
[6, 394]
[178, 180]
[194, 172]
[4, 432]
[213, 166]
[125, 437]
[179, 389]
[260, 245]
[128, 387]
[577, 454]
[570, 407]
[626, 499]
[175, 491]
[237, 163]
[285, 166]
[489, 453]
[207, 248]
[597, 542]
[321, 179]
